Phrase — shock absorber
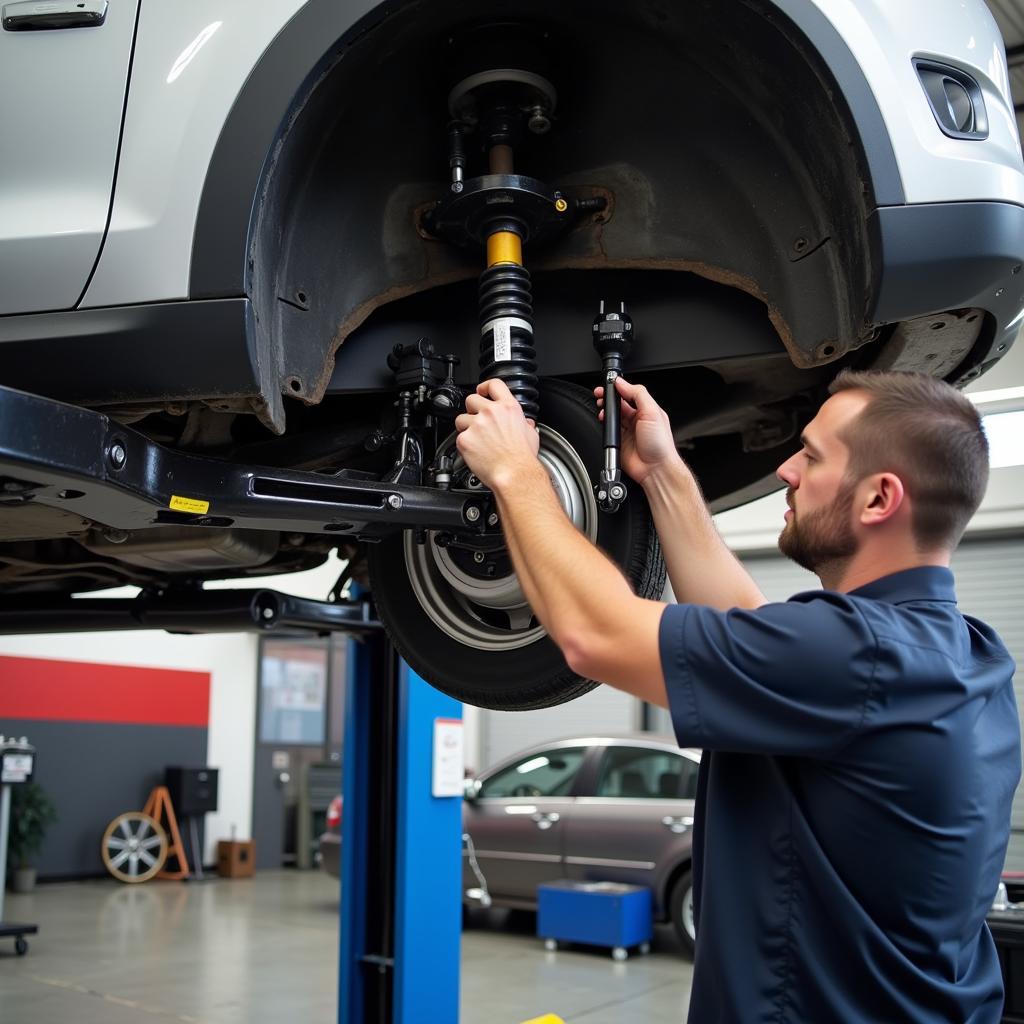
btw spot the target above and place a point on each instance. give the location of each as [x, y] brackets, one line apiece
[506, 321]
[498, 106]
[506, 306]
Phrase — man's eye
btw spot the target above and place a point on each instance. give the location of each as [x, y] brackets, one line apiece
[809, 457]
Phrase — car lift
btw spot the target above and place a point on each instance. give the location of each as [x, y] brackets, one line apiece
[401, 864]
[401, 861]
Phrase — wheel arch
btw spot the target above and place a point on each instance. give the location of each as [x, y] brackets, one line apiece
[244, 209]
[287, 71]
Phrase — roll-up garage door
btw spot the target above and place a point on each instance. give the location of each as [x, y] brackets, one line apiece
[601, 711]
[990, 586]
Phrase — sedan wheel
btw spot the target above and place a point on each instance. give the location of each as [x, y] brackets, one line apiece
[681, 909]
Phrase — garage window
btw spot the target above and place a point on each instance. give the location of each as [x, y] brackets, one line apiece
[1005, 433]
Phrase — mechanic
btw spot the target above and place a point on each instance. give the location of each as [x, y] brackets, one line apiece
[861, 742]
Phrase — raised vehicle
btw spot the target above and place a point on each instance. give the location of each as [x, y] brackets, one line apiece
[245, 287]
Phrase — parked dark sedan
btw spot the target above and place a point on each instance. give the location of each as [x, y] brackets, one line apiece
[593, 808]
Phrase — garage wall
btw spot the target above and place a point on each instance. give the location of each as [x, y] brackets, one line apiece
[230, 663]
[756, 527]
[601, 711]
[104, 735]
[231, 660]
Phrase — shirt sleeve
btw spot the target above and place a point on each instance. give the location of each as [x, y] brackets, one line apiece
[791, 678]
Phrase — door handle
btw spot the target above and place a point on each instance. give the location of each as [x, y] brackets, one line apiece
[36, 15]
[545, 821]
[677, 825]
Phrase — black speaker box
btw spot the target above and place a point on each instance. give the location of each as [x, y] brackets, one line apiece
[193, 790]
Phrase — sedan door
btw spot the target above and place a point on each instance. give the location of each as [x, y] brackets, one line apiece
[516, 823]
[63, 76]
[636, 826]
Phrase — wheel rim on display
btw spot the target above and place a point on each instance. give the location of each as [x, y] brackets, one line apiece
[134, 847]
[492, 614]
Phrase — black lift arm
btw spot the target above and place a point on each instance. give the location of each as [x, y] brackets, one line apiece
[82, 461]
[187, 611]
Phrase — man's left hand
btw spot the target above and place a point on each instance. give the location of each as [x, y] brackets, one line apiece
[497, 441]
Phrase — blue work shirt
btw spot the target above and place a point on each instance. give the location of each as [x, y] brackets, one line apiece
[853, 804]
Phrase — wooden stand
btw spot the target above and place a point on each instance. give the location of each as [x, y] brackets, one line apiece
[159, 808]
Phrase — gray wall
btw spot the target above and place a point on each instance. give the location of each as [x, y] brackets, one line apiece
[93, 772]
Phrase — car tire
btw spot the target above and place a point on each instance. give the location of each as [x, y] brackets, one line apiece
[493, 654]
[681, 911]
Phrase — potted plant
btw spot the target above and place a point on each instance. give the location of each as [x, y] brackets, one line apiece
[32, 812]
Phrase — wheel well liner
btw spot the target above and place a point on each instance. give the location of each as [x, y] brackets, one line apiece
[288, 68]
[312, 200]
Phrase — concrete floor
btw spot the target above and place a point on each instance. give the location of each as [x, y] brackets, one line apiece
[264, 950]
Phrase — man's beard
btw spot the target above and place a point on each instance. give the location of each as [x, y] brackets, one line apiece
[823, 540]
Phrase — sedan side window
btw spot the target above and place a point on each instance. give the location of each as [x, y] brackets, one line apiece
[646, 774]
[548, 774]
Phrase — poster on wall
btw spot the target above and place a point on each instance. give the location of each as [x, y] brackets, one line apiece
[449, 760]
[294, 696]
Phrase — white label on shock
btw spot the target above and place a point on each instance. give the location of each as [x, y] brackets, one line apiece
[502, 341]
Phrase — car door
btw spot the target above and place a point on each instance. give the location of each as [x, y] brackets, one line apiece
[636, 824]
[516, 822]
[63, 77]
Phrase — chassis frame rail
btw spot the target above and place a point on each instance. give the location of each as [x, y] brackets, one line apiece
[81, 461]
[187, 611]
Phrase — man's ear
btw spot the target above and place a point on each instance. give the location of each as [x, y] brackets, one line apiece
[883, 499]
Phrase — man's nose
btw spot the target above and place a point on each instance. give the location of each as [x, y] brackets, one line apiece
[787, 473]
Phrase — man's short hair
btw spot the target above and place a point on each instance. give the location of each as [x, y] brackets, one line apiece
[929, 435]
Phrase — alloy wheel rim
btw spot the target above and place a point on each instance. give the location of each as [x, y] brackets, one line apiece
[134, 847]
[493, 614]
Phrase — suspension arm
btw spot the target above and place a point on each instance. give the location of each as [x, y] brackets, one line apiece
[82, 462]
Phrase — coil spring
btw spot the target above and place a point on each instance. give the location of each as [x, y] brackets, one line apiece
[506, 305]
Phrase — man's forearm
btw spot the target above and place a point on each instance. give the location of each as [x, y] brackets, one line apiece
[701, 567]
[578, 594]
[566, 585]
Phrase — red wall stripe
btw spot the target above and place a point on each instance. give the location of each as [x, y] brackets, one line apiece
[77, 691]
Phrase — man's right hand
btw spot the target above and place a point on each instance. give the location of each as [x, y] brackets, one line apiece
[647, 445]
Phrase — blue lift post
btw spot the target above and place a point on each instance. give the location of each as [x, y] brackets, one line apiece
[401, 864]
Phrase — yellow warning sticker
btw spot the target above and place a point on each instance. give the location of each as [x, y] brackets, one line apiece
[180, 504]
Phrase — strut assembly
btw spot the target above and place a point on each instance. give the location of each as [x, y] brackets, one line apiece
[499, 212]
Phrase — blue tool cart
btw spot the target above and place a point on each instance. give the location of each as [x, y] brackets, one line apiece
[598, 913]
